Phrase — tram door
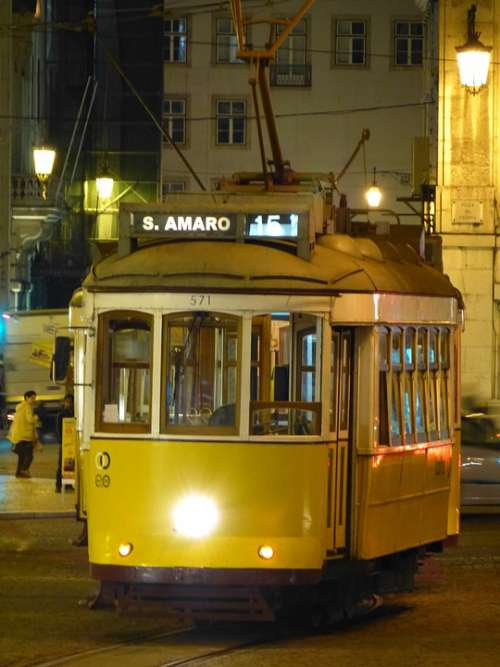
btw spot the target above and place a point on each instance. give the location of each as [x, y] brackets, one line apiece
[340, 429]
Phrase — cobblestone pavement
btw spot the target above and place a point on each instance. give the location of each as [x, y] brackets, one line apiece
[451, 619]
[35, 496]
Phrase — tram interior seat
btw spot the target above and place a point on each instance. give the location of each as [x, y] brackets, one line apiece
[224, 415]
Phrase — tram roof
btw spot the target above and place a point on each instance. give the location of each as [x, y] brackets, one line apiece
[338, 263]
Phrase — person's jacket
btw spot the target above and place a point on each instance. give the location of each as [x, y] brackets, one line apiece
[24, 424]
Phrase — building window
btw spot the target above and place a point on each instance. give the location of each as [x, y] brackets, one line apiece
[291, 67]
[226, 42]
[350, 42]
[408, 42]
[231, 122]
[171, 187]
[174, 119]
[175, 32]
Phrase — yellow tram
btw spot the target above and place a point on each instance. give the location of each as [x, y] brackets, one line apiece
[268, 412]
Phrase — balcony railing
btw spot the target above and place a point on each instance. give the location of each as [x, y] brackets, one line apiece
[26, 190]
[290, 75]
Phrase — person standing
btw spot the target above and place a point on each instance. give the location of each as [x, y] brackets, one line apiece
[68, 410]
[23, 433]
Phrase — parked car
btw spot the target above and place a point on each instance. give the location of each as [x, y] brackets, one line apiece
[480, 464]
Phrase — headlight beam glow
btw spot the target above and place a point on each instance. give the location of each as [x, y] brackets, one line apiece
[195, 516]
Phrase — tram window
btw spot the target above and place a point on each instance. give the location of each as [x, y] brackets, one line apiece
[286, 363]
[431, 399]
[433, 349]
[396, 361]
[200, 371]
[408, 408]
[421, 349]
[409, 345]
[383, 436]
[420, 408]
[408, 390]
[345, 380]
[259, 360]
[307, 365]
[444, 364]
[444, 429]
[334, 380]
[395, 423]
[444, 347]
[124, 379]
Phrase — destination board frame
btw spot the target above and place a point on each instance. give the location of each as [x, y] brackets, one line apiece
[160, 221]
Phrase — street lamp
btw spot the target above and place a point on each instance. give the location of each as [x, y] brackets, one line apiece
[43, 157]
[473, 57]
[374, 194]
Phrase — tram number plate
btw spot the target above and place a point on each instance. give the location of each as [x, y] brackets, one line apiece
[102, 481]
[200, 300]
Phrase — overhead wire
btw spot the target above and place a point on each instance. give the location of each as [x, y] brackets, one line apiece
[296, 114]
[89, 23]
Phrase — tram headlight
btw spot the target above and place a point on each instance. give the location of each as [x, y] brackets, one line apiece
[195, 516]
[266, 552]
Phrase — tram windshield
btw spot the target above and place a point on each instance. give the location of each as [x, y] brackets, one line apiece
[201, 378]
[201, 353]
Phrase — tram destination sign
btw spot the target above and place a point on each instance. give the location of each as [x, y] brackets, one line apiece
[215, 225]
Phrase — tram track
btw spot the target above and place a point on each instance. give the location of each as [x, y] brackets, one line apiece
[185, 646]
[190, 645]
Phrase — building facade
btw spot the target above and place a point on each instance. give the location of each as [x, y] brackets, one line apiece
[348, 65]
[74, 76]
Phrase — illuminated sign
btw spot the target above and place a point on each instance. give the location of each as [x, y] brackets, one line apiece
[216, 225]
[282, 225]
[174, 224]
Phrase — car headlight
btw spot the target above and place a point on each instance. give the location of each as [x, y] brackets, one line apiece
[195, 516]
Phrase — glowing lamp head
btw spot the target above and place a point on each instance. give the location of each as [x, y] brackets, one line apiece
[43, 158]
[266, 552]
[195, 516]
[125, 549]
[104, 185]
[473, 58]
[473, 65]
[373, 196]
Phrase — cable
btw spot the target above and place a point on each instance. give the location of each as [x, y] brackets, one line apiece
[298, 114]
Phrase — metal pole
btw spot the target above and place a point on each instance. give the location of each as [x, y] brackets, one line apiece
[70, 145]
[82, 136]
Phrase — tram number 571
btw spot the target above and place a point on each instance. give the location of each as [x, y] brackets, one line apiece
[199, 300]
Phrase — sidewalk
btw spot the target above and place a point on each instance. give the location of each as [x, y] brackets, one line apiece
[35, 497]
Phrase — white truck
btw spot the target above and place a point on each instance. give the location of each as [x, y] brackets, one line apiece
[27, 349]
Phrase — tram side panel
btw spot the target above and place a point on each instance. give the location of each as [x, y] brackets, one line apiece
[403, 492]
